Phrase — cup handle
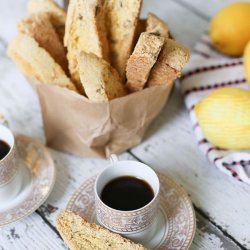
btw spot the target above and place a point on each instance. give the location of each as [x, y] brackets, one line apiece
[113, 158]
[3, 121]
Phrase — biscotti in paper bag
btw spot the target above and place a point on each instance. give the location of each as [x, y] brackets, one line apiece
[116, 78]
[78, 126]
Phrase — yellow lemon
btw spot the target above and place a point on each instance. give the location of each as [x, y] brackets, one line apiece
[229, 29]
[224, 117]
[247, 62]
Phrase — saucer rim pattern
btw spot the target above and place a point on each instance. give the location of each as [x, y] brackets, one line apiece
[19, 212]
[88, 213]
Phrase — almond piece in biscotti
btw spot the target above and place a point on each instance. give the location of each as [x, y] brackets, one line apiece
[155, 25]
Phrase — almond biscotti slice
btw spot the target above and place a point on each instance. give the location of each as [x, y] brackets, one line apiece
[85, 31]
[122, 19]
[36, 62]
[155, 25]
[40, 28]
[100, 81]
[87, 19]
[169, 65]
[142, 60]
[79, 234]
[57, 14]
[71, 42]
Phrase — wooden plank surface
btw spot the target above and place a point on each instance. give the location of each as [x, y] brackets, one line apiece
[31, 233]
[209, 237]
[169, 146]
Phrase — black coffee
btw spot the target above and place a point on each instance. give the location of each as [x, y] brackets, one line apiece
[4, 149]
[127, 193]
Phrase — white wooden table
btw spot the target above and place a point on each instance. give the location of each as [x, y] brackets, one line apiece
[222, 205]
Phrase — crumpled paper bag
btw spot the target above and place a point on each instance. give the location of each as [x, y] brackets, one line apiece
[74, 124]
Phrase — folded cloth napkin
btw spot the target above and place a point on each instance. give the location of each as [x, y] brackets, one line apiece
[208, 70]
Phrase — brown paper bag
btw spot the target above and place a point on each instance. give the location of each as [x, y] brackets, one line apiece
[74, 124]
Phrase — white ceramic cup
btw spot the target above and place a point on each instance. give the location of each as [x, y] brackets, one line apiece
[134, 224]
[10, 182]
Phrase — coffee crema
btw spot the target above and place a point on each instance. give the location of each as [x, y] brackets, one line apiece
[4, 149]
[127, 193]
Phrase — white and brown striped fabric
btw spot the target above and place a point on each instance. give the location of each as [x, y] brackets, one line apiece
[206, 71]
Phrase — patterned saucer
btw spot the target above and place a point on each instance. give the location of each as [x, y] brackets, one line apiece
[38, 177]
[175, 223]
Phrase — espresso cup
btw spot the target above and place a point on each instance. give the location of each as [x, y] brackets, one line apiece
[134, 224]
[10, 182]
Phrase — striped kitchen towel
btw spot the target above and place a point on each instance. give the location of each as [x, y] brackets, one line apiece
[206, 71]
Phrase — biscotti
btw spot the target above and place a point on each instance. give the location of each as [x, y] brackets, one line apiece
[155, 25]
[122, 19]
[40, 28]
[36, 62]
[100, 45]
[79, 234]
[85, 31]
[171, 61]
[56, 13]
[142, 60]
[101, 82]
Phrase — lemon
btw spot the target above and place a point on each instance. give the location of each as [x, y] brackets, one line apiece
[229, 29]
[247, 62]
[224, 117]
